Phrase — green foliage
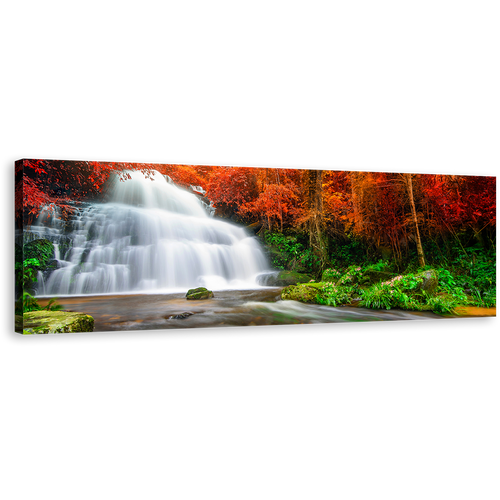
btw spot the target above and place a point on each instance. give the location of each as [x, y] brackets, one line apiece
[28, 303]
[379, 266]
[352, 275]
[472, 280]
[309, 260]
[348, 253]
[401, 291]
[42, 250]
[331, 274]
[291, 252]
[53, 306]
[26, 273]
[379, 297]
[335, 295]
[287, 244]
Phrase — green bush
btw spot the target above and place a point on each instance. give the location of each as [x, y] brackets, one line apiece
[380, 296]
[334, 295]
[331, 274]
[349, 252]
[379, 266]
[405, 292]
[28, 303]
[351, 276]
[26, 273]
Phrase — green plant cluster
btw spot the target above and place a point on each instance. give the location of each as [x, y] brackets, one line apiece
[466, 271]
[28, 303]
[291, 252]
[26, 273]
[334, 295]
[424, 290]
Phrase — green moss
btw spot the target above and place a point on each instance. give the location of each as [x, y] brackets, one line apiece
[301, 293]
[56, 322]
[200, 293]
[324, 293]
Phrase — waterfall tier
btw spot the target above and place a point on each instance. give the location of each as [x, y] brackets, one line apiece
[151, 236]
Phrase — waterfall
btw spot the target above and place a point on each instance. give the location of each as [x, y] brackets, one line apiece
[151, 236]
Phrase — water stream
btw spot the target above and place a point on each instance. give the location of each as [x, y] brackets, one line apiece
[228, 308]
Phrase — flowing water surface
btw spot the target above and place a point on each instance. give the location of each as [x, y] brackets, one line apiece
[227, 309]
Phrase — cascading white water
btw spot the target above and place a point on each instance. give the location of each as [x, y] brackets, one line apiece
[151, 236]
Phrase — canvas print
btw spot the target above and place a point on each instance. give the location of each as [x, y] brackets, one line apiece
[103, 246]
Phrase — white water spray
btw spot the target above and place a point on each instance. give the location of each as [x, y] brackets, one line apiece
[152, 236]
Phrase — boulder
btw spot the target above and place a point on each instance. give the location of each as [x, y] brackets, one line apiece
[182, 315]
[283, 278]
[19, 323]
[56, 322]
[255, 227]
[199, 293]
[324, 293]
[371, 276]
[300, 293]
[430, 281]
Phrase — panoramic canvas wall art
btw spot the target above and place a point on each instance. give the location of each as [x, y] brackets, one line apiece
[104, 246]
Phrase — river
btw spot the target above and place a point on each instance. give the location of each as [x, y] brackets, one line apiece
[227, 309]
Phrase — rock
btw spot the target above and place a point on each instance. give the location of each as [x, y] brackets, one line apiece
[385, 252]
[199, 293]
[301, 293]
[19, 323]
[183, 315]
[57, 322]
[283, 278]
[371, 276]
[430, 281]
[324, 293]
[255, 227]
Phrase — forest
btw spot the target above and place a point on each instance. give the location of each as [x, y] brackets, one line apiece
[345, 231]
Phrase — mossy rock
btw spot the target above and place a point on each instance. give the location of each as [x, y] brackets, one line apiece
[301, 293]
[324, 293]
[199, 293]
[56, 322]
[286, 278]
[19, 323]
[371, 277]
[430, 281]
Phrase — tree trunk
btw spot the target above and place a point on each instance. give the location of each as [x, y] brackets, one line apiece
[420, 250]
[355, 178]
[314, 193]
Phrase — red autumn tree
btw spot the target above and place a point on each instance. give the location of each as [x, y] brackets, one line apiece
[42, 183]
[277, 204]
[187, 175]
[231, 187]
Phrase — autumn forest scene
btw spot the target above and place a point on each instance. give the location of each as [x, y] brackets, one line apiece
[122, 246]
